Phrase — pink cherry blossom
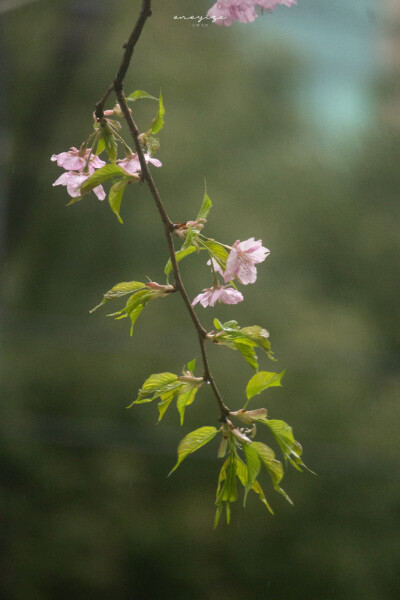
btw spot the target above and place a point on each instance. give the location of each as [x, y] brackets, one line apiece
[228, 11]
[224, 294]
[242, 258]
[131, 164]
[75, 160]
[73, 181]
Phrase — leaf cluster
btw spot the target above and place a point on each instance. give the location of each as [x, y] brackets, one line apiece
[139, 295]
[167, 387]
[243, 339]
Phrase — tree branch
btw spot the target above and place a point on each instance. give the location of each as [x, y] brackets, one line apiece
[118, 87]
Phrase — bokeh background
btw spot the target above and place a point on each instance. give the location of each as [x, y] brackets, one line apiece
[295, 123]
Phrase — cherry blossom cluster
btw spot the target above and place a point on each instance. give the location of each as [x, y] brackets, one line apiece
[228, 11]
[240, 265]
[80, 164]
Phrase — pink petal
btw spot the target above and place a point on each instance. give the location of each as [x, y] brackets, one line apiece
[99, 191]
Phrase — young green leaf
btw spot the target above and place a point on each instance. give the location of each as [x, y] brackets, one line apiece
[192, 442]
[101, 146]
[120, 289]
[158, 381]
[260, 336]
[253, 468]
[247, 351]
[291, 449]
[205, 207]
[186, 397]
[273, 466]
[134, 315]
[217, 251]
[101, 175]
[217, 324]
[158, 122]
[165, 401]
[138, 95]
[261, 381]
[180, 254]
[241, 472]
[191, 365]
[110, 143]
[115, 196]
[156, 386]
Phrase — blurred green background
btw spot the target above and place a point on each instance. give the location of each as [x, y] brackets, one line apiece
[294, 121]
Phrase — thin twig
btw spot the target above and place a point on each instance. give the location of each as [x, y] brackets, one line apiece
[118, 87]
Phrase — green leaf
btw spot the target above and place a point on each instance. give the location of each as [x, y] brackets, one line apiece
[231, 326]
[120, 289]
[218, 501]
[186, 396]
[241, 472]
[205, 207]
[138, 95]
[229, 491]
[218, 513]
[261, 381]
[253, 468]
[164, 403]
[217, 252]
[291, 449]
[217, 324]
[248, 352]
[134, 314]
[101, 146]
[273, 466]
[157, 385]
[180, 254]
[101, 175]
[74, 200]
[115, 196]
[192, 442]
[158, 122]
[260, 336]
[244, 340]
[110, 143]
[191, 365]
[140, 297]
[158, 381]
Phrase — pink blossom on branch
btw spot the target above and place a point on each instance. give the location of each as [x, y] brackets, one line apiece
[75, 160]
[242, 258]
[79, 165]
[224, 294]
[131, 164]
[228, 11]
[73, 182]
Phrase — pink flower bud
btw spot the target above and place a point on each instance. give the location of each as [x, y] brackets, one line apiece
[158, 287]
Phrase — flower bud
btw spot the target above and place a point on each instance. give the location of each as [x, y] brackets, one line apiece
[189, 378]
[181, 229]
[250, 416]
[163, 289]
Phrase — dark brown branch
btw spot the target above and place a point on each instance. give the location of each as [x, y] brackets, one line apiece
[129, 46]
[147, 176]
